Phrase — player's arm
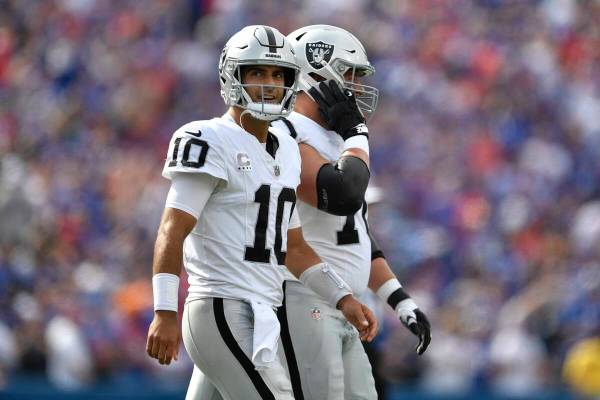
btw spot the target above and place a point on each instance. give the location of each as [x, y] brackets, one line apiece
[186, 199]
[337, 188]
[383, 281]
[306, 265]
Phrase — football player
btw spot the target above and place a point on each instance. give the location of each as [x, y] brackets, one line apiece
[330, 126]
[325, 358]
[230, 219]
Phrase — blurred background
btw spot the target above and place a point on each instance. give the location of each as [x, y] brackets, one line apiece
[485, 147]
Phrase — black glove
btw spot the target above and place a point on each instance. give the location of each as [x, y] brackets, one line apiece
[339, 110]
[421, 328]
[412, 318]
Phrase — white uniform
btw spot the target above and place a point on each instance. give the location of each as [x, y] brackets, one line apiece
[330, 359]
[234, 255]
[342, 242]
[324, 355]
[237, 248]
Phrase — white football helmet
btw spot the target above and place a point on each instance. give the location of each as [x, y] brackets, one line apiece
[328, 52]
[258, 45]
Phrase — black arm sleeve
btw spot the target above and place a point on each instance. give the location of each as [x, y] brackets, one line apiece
[375, 250]
[341, 186]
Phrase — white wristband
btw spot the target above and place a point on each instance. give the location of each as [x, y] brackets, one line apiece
[165, 288]
[387, 289]
[357, 142]
[405, 308]
[325, 282]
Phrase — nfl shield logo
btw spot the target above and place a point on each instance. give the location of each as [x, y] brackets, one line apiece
[315, 313]
[276, 170]
[317, 53]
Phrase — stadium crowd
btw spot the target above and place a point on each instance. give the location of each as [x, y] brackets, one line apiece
[485, 145]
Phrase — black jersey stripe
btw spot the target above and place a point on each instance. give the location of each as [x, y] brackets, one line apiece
[290, 127]
[288, 348]
[272, 144]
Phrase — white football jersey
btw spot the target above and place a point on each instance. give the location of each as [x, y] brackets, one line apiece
[237, 248]
[342, 242]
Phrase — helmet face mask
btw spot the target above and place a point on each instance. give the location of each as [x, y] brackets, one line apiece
[350, 75]
[328, 52]
[258, 46]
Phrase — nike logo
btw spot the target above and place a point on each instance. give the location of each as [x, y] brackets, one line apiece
[351, 51]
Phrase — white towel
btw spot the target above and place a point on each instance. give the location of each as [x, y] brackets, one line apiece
[266, 335]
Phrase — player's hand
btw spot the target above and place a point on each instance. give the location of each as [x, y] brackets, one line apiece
[417, 323]
[339, 110]
[164, 336]
[360, 316]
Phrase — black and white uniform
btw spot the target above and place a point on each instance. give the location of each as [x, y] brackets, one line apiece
[234, 256]
[331, 361]
[325, 358]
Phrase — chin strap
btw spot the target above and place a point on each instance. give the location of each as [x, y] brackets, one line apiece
[242, 118]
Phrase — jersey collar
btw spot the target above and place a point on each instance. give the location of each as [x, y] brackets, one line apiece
[272, 143]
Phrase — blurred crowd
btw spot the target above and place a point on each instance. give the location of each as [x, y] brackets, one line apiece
[485, 145]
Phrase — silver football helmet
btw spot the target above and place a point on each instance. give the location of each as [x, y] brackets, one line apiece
[328, 52]
[258, 45]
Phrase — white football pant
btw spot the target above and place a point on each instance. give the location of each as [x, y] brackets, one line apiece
[217, 334]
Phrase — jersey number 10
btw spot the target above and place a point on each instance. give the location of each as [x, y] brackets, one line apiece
[258, 252]
[186, 162]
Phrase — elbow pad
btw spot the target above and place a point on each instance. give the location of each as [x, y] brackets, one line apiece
[341, 186]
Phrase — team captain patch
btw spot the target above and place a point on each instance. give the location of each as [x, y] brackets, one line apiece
[243, 162]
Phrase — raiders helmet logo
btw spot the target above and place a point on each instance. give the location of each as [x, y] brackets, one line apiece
[317, 52]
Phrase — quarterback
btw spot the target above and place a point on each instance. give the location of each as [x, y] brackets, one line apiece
[230, 218]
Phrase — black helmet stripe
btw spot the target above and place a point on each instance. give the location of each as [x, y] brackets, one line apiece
[271, 39]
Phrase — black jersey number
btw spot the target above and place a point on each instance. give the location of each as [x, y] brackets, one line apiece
[185, 161]
[259, 252]
[349, 234]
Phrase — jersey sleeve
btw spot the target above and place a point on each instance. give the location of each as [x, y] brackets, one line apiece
[190, 192]
[196, 148]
